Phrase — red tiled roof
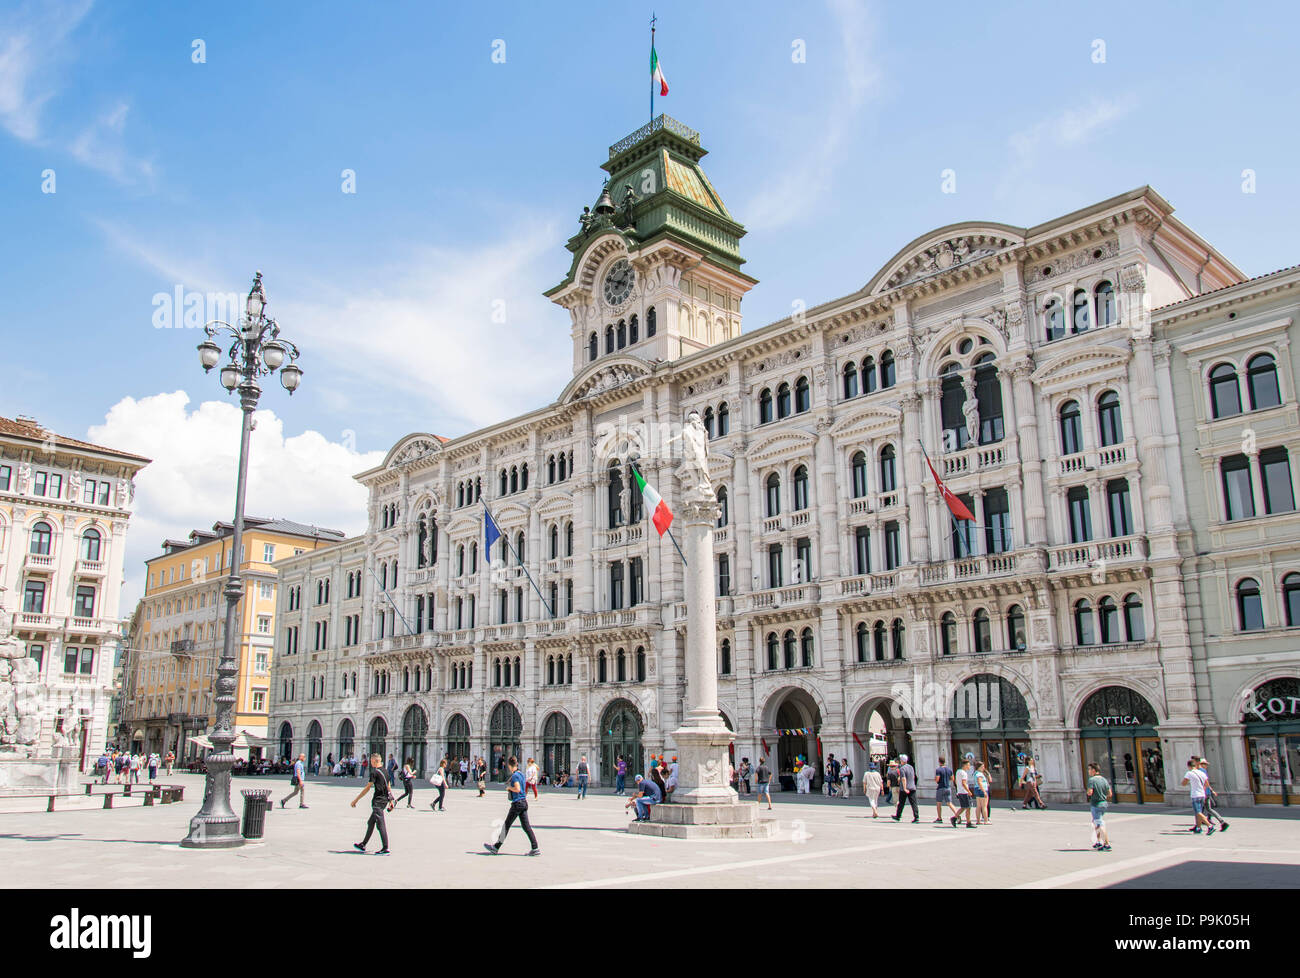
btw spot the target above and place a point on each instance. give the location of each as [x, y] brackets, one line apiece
[1225, 288]
[31, 430]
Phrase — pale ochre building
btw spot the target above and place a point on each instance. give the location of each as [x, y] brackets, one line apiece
[64, 509]
[178, 629]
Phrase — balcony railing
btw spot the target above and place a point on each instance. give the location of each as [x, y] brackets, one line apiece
[973, 459]
[1094, 552]
[90, 568]
[40, 562]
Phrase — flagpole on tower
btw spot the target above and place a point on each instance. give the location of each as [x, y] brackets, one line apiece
[652, 74]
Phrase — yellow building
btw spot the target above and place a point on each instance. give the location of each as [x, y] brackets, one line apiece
[178, 630]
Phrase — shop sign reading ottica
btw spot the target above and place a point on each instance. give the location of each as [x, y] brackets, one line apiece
[1123, 720]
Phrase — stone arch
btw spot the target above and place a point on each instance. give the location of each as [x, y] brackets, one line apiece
[1144, 689]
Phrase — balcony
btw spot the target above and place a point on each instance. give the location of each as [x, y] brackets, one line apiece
[1097, 553]
[183, 645]
[623, 618]
[969, 569]
[90, 568]
[39, 562]
[29, 619]
[975, 459]
[773, 524]
[873, 504]
[721, 534]
[623, 536]
[800, 519]
[1090, 461]
[867, 585]
[782, 597]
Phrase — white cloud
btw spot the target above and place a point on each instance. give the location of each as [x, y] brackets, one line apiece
[798, 185]
[1064, 129]
[101, 146]
[31, 50]
[191, 481]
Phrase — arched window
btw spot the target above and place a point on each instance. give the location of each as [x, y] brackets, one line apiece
[1108, 619]
[601, 668]
[1108, 419]
[773, 651]
[952, 403]
[640, 664]
[948, 633]
[800, 488]
[783, 401]
[878, 641]
[1084, 633]
[591, 346]
[1015, 628]
[869, 375]
[863, 641]
[565, 467]
[1055, 314]
[788, 649]
[505, 483]
[523, 477]
[806, 648]
[519, 547]
[981, 632]
[609, 338]
[1225, 395]
[724, 514]
[708, 421]
[888, 479]
[888, 376]
[724, 419]
[550, 469]
[620, 659]
[622, 334]
[460, 494]
[1079, 322]
[1291, 598]
[1261, 382]
[988, 398]
[1071, 429]
[802, 396]
[1250, 607]
[773, 495]
[514, 478]
[42, 536]
[568, 539]
[90, 541]
[651, 322]
[724, 654]
[765, 406]
[632, 330]
[896, 637]
[1104, 295]
[850, 380]
[555, 541]
[858, 465]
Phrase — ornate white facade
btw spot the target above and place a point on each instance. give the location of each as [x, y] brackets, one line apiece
[1022, 360]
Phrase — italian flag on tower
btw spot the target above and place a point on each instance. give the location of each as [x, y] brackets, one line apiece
[660, 515]
[656, 72]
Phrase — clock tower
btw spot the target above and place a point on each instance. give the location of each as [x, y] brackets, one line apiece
[656, 271]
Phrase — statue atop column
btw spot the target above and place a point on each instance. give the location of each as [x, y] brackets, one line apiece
[693, 473]
[19, 719]
[970, 409]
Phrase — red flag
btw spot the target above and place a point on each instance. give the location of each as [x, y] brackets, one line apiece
[955, 505]
[858, 740]
[763, 741]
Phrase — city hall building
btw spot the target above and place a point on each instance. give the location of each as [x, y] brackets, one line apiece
[856, 616]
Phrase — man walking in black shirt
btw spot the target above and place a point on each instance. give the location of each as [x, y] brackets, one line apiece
[906, 789]
[380, 803]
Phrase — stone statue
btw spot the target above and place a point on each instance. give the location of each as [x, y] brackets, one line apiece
[629, 200]
[74, 486]
[693, 473]
[971, 411]
[19, 717]
[428, 541]
[586, 219]
[130, 490]
[24, 478]
[625, 503]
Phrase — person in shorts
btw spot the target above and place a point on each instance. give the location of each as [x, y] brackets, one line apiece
[1211, 798]
[943, 790]
[1099, 796]
[965, 799]
[763, 780]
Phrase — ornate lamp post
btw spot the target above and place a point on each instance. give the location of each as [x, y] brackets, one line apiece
[256, 351]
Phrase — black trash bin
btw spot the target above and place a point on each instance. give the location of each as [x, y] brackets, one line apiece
[256, 802]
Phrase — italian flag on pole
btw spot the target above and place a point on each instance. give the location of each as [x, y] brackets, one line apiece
[657, 74]
[660, 515]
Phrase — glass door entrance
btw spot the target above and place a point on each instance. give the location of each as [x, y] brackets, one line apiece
[1151, 764]
[1274, 759]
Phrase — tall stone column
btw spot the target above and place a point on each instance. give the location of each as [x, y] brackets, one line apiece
[1031, 455]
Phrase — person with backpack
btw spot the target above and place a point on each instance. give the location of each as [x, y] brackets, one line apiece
[439, 780]
[584, 775]
[832, 778]
[481, 777]
[515, 790]
[408, 782]
[153, 766]
[1099, 795]
[381, 802]
[745, 773]
[846, 779]
[297, 779]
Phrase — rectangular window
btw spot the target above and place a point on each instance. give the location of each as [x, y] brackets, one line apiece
[265, 590]
[103, 493]
[34, 597]
[802, 570]
[87, 662]
[1080, 515]
[38, 483]
[862, 550]
[263, 661]
[997, 522]
[1117, 507]
[84, 604]
[892, 552]
[616, 585]
[6, 476]
[1238, 493]
[519, 604]
[568, 597]
[56, 486]
[503, 600]
[774, 576]
[37, 652]
[268, 553]
[964, 541]
[259, 702]
[88, 491]
[724, 575]
[1275, 471]
[637, 585]
[264, 624]
[70, 657]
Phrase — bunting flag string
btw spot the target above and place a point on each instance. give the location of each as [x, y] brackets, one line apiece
[796, 732]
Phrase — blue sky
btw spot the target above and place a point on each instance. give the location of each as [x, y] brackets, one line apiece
[470, 175]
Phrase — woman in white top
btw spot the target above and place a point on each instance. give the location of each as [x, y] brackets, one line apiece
[871, 785]
[530, 777]
[846, 779]
[439, 780]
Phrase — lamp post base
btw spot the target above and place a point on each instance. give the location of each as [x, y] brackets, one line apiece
[213, 832]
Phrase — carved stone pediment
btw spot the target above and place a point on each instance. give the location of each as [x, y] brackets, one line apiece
[942, 256]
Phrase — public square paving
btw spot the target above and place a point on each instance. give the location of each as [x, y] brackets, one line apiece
[822, 842]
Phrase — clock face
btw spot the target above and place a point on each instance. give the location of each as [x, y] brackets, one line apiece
[618, 283]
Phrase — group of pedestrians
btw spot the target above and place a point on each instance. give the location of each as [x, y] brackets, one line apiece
[125, 767]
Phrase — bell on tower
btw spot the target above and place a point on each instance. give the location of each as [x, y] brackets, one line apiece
[605, 206]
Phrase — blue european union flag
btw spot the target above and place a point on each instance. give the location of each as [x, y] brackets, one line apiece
[491, 534]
